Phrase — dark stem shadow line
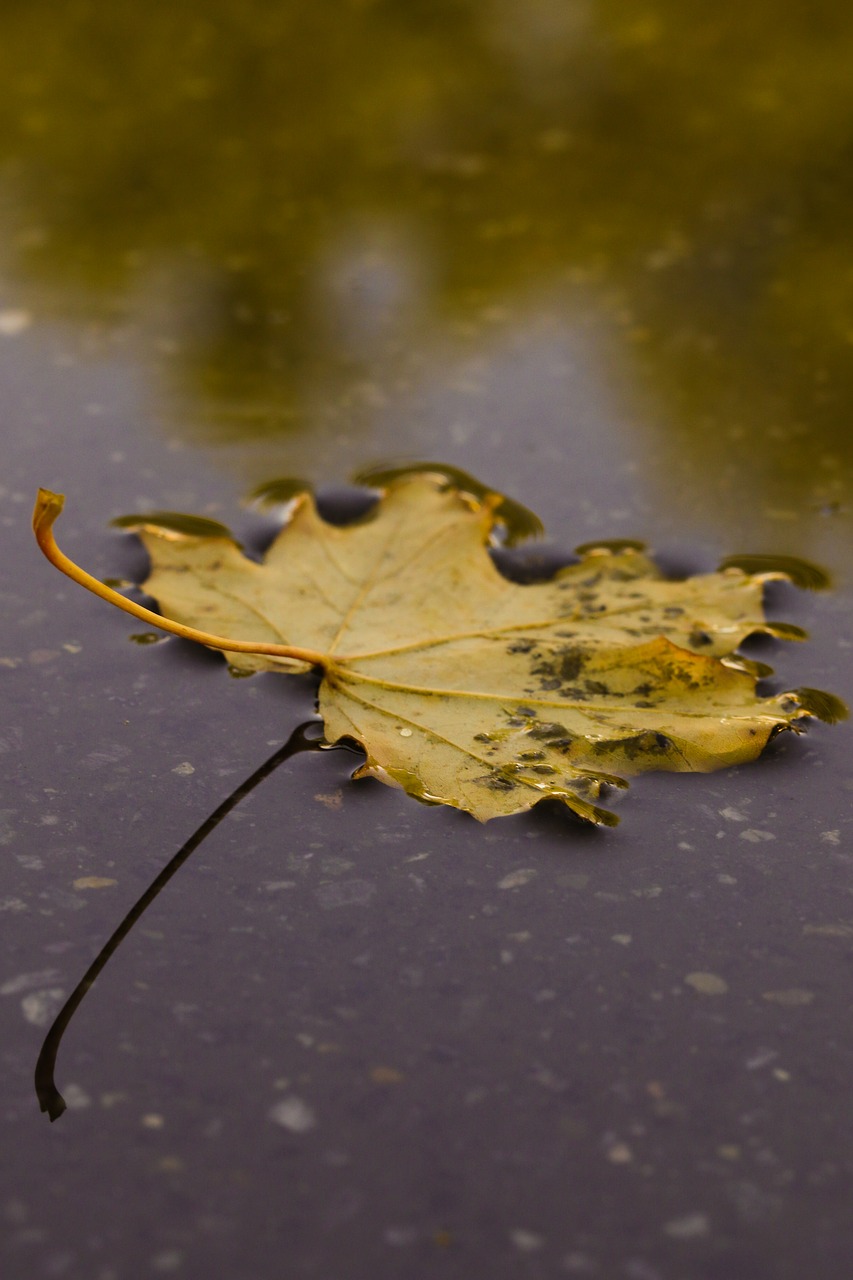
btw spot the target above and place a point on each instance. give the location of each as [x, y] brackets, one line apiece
[50, 1099]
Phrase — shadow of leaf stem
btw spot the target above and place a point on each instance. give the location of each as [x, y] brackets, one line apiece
[304, 738]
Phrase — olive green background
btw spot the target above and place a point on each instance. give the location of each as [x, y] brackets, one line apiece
[295, 216]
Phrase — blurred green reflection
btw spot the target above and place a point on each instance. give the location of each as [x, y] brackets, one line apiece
[289, 201]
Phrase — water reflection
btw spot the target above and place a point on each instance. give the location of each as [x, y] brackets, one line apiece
[804, 574]
[516, 521]
[288, 209]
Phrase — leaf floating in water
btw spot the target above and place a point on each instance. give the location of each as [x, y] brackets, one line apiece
[463, 687]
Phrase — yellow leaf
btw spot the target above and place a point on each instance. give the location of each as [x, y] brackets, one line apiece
[463, 687]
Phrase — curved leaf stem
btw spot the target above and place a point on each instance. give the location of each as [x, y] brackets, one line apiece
[48, 507]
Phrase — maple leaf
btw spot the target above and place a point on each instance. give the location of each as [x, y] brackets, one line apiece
[461, 686]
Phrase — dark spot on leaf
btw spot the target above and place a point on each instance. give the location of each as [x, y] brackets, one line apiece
[571, 663]
[548, 729]
[638, 745]
[496, 782]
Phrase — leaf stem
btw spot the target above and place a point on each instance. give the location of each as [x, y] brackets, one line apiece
[48, 507]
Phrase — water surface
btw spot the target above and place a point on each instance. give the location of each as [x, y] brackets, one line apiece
[598, 257]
